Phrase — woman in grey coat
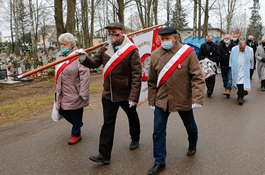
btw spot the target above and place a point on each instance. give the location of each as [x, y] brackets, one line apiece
[72, 86]
[260, 55]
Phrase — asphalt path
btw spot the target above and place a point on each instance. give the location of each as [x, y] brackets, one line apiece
[231, 142]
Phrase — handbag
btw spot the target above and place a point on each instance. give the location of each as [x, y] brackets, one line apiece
[55, 113]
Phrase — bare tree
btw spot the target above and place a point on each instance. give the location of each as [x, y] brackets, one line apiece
[33, 41]
[58, 16]
[195, 18]
[70, 24]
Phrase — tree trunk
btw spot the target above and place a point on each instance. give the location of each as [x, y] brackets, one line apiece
[32, 30]
[155, 4]
[11, 25]
[15, 5]
[206, 17]
[120, 11]
[168, 9]
[58, 15]
[85, 22]
[199, 23]
[140, 12]
[92, 23]
[195, 19]
[70, 24]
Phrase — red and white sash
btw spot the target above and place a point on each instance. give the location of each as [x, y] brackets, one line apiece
[117, 58]
[173, 63]
[60, 67]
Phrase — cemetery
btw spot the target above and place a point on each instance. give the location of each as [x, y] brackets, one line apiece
[11, 66]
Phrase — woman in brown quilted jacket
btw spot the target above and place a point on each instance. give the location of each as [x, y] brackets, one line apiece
[72, 86]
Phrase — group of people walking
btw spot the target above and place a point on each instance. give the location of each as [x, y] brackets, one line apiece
[237, 60]
[175, 84]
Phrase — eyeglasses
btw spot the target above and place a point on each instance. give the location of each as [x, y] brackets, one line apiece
[114, 34]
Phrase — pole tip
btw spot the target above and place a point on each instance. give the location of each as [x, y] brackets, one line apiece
[20, 76]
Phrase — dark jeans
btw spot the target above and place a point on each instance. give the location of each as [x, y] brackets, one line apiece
[227, 77]
[159, 135]
[75, 118]
[110, 110]
[210, 82]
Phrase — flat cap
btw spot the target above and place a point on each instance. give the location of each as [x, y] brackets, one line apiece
[114, 25]
[167, 31]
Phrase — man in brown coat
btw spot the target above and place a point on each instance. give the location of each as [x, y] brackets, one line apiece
[175, 83]
[122, 85]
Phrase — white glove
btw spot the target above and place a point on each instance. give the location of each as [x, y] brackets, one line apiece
[84, 98]
[82, 56]
[81, 51]
[152, 107]
[196, 106]
[131, 103]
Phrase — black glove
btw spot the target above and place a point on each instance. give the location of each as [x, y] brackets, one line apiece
[263, 60]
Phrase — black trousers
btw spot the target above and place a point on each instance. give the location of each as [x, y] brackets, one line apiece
[241, 93]
[210, 82]
[75, 118]
[110, 110]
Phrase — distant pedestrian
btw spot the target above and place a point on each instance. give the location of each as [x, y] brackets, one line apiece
[260, 55]
[225, 50]
[209, 50]
[251, 43]
[241, 61]
[72, 86]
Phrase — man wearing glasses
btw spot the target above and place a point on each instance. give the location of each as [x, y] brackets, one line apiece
[122, 84]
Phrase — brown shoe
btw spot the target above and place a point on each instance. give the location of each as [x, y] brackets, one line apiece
[227, 93]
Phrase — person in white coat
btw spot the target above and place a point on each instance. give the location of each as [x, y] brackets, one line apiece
[260, 56]
[241, 61]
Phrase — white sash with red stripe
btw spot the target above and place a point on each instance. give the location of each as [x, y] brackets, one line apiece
[60, 67]
[173, 63]
[117, 58]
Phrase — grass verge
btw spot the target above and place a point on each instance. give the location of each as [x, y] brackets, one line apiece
[31, 107]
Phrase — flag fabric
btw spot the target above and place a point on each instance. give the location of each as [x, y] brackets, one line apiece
[146, 43]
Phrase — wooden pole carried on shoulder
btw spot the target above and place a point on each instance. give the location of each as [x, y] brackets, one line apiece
[76, 54]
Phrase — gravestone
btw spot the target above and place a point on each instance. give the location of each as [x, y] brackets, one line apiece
[3, 74]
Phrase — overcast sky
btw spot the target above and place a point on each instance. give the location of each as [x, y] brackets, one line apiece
[6, 31]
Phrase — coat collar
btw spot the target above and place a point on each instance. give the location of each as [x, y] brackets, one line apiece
[110, 50]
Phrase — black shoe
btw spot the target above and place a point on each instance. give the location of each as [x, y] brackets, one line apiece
[191, 151]
[263, 88]
[209, 93]
[245, 93]
[240, 101]
[100, 158]
[134, 144]
[156, 169]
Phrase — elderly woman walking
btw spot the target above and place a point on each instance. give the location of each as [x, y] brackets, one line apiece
[260, 55]
[72, 86]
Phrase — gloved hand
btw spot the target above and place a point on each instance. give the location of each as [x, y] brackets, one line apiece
[152, 107]
[82, 56]
[84, 98]
[196, 106]
[81, 51]
[131, 103]
[263, 60]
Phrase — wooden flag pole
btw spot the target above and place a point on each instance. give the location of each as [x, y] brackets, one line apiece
[76, 54]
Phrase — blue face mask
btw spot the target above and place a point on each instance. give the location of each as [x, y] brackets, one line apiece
[226, 41]
[167, 45]
[65, 50]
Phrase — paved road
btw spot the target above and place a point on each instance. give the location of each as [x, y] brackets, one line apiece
[231, 142]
